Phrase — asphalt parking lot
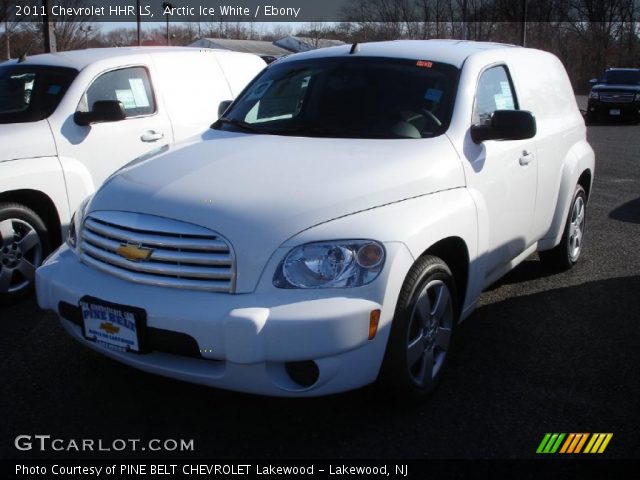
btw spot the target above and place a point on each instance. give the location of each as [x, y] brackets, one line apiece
[543, 353]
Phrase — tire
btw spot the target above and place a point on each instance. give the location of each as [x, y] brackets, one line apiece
[24, 244]
[420, 342]
[566, 254]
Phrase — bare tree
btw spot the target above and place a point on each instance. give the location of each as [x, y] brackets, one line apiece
[72, 32]
[119, 37]
[8, 26]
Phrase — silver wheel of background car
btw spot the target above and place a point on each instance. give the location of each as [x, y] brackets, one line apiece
[21, 253]
[429, 332]
[576, 228]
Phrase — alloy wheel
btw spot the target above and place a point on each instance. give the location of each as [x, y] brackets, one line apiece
[429, 332]
[576, 228]
[20, 255]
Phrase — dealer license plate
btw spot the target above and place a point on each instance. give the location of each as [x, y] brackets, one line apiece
[614, 111]
[114, 326]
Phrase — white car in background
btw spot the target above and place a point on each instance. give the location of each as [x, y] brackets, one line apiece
[336, 224]
[69, 120]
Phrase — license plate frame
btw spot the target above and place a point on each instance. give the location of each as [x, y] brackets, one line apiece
[114, 328]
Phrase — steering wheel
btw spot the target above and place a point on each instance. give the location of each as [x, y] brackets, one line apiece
[415, 117]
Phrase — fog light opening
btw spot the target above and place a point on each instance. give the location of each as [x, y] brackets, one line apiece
[304, 373]
[374, 319]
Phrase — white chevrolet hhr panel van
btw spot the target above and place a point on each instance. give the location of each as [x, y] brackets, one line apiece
[68, 120]
[336, 224]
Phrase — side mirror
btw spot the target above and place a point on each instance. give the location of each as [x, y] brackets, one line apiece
[223, 107]
[102, 111]
[593, 81]
[506, 125]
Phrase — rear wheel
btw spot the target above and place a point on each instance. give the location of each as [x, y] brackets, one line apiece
[24, 243]
[422, 329]
[567, 253]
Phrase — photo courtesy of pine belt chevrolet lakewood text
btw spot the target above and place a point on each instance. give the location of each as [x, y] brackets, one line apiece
[335, 224]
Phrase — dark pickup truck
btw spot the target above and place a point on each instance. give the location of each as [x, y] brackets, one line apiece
[615, 96]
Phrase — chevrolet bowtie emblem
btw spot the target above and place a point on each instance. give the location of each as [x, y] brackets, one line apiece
[133, 252]
[110, 328]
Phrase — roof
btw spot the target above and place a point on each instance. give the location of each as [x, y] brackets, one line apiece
[79, 59]
[453, 52]
[258, 47]
[304, 44]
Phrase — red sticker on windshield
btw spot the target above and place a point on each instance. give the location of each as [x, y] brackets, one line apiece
[424, 63]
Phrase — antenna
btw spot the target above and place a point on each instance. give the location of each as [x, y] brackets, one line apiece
[355, 48]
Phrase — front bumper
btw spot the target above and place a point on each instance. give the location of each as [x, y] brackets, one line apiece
[238, 342]
[599, 109]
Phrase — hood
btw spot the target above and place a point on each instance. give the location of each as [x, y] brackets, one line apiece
[26, 140]
[260, 190]
[615, 87]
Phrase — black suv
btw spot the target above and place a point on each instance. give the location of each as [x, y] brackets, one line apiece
[616, 95]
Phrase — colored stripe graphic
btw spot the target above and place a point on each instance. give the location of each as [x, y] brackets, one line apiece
[583, 439]
[592, 440]
[598, 442]
[550, 443]
[554, 449]
[608, 438]
[567, 442]
[574, 442]
[543, 443]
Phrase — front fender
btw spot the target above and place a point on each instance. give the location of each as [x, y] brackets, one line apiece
[41, 174]
[79, 181]
[416, 223]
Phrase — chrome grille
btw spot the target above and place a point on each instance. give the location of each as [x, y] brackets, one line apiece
[180, 255]
[617, 97]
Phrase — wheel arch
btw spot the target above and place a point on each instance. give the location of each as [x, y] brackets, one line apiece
[586, 181]
[455, 253]
[577, 169]
[43, 205]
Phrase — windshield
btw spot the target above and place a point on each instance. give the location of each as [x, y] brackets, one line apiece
[347, 97]
[625, 77]
[30, 93]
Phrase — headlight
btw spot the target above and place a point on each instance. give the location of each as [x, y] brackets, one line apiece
[72, 236]
[76, 222]
[343, 263]
[637, 97]
[594, 95]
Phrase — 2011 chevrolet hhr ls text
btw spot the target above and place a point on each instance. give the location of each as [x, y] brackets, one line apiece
[335, 224]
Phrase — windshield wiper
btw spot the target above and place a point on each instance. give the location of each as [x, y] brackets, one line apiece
[238, 123]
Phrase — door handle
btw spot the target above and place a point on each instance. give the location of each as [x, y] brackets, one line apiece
[526, 157]
[152, 136]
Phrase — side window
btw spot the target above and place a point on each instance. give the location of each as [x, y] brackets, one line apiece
[130, 86]
[495, 92]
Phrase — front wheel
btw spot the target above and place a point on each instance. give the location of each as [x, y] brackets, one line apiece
[422, 329]
[566, 254]
[24, 243]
